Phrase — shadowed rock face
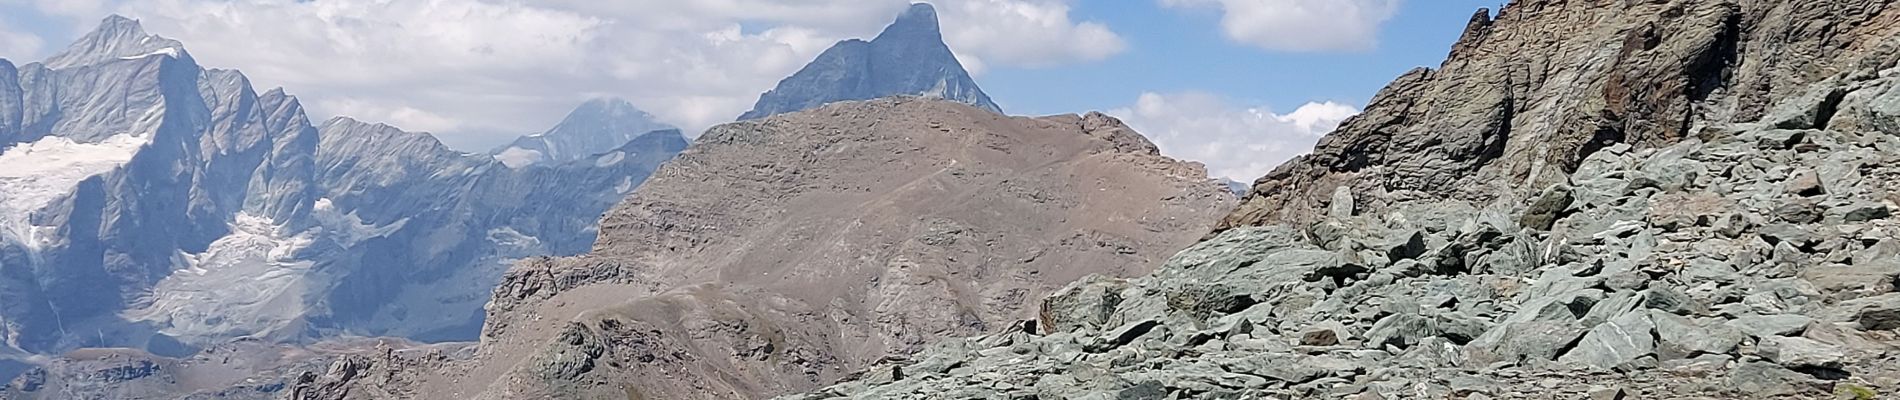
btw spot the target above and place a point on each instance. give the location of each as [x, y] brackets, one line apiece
[1523, 98]
[908, 58]
[779, 254]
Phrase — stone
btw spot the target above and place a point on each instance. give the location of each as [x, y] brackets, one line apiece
[1608, 393]
[1766, 380]
[1319, 336]
[1799, 352]
[1681, 337]
[1862, 211]
[1544, 210]
[1804, 183]
[1613, 343]
[1085, 304]
[1400, 330]
[1879, 313]
[1810, 110]
[1763, 326]
[1342, 206]
[1800, 211]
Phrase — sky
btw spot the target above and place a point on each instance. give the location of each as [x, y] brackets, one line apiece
[1240, 85]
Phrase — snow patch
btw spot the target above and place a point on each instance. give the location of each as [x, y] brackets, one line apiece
[168, 52]
[34, 175]
[248, 282]
[517, 157]
[626, 185]
[348, 229]
[609, 159]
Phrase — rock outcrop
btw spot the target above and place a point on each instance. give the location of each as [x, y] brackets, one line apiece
[908, 58]
[1525, 97]
[777, 255]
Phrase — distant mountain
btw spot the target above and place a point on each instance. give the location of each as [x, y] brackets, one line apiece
[147, 202]
[909, 58]
[595, 127]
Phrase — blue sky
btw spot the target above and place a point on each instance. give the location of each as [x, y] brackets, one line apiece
[1176, 51]
[1240, 85]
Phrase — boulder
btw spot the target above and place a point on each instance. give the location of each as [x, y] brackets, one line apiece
[1613, 343]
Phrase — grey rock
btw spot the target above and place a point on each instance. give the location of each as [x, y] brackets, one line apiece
[1613, 343]
[1681, 338]
[1880, 313]
[1400, 330]
[1767, 380]
[1085, 304]
[1544, 210]
[1800, 352]
[1765, 326]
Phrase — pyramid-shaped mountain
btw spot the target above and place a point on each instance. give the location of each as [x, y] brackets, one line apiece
[909, 58]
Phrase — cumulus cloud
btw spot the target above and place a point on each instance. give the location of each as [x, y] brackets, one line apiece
[1239, 143]
[479, 72]
[1300, 25]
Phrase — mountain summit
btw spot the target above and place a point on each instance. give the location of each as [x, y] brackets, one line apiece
[116, 38]
[596, 127]
[908, 58]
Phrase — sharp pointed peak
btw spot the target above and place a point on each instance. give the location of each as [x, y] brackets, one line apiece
[117, 37]
[918, 21]
[120, 22]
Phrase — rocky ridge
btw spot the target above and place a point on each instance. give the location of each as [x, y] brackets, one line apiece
[777, 255]
[1525, 96]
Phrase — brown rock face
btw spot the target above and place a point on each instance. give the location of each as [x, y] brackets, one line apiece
[1523, 98]
[779, 255]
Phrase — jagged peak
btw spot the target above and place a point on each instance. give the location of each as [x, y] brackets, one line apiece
[919, 22]
[117, 37]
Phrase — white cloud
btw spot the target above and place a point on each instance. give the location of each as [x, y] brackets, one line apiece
[16, 44]
[1300, 25]
[1236, 143]
[1025, 33]
[482, 71]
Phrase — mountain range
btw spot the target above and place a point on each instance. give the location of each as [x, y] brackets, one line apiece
[152, 203]
[1656, 199]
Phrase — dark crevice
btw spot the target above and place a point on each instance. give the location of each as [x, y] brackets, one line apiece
[1828, 107]
[1710, 70]
[1606, 135]
[1824, 373]
[1572, 345]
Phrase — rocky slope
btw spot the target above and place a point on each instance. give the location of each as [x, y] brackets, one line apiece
[1666, 199]
[149, 203]
[595, 128]
[908, 58]
[779, 254]
[1522, 99]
